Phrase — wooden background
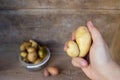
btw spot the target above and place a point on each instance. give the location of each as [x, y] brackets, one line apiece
[52, 22]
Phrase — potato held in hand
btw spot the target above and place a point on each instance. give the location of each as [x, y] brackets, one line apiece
[72, 50]
[82, 45]
[83, 39]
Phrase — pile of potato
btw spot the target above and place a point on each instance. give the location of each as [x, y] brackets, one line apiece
[32, 53]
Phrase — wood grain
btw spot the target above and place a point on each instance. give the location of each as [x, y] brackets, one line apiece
[64, 4]
[115, 47]
[51, 22]
[12, 69]
[52, 27]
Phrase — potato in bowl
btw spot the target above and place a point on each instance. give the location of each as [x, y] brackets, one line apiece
[32, 55]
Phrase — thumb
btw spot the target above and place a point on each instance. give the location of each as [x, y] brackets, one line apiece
[82, 63]
[96, 36]
[79, 62]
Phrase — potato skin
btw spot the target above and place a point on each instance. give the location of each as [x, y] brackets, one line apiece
[38, 61]
[83, 39]
[24, 46]
[81, 47]
[42, 52]
[46, 73]
[53, 70]
[32, 57]
[72, 50]
[34, 44]
[23, 54]
[31, 49]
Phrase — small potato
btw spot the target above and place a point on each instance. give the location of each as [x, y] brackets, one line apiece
[34, 44]
[42, 52]
[31, 49]
[38, 61]
[83, 39]
[23, 54]
[46, 73]
[72, 50]
[32, 57]
[24, 46]
[53, 70]
[25, 60]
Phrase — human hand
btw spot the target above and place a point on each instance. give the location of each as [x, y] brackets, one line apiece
[99, 55]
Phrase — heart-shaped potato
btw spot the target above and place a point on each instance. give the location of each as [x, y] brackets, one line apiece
[81, 47]
[72, 50]
[83, 39]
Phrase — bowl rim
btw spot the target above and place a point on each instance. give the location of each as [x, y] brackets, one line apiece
[44, 61]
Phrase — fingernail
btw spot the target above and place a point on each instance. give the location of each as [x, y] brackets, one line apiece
[83, 63]
[76, 63]
[73, 36]
[90, 23]
[64, 48]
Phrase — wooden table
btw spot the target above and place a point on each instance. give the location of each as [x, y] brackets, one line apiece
[52, 22]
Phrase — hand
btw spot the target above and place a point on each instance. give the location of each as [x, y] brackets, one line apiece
[101, 62]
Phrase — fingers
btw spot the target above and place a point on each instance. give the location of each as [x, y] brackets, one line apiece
[96, 36]
[82, 63]
[79, 62]
[73, 36]
[66, 46]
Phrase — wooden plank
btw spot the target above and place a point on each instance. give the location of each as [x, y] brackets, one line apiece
[11, 69]
[115, 47]
[51, 22]
[52, 27]
[62, 4]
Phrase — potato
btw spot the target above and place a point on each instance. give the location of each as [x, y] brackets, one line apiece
[38, 61]
[24, 46]
[42, 52]
[83, 39]
[82, 45]
[23, 54]
[34, 44]
[32, 53]
[53, 70]
[46, 73]
[32, 57]
[31, 49]
[25, 60]
[72, 50]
